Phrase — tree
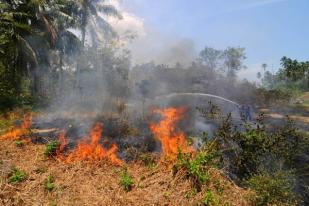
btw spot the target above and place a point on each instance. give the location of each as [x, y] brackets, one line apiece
[233, 60]
[89, 15]
[295, 70]
[210, 57]
[259, 75]
[16, 50]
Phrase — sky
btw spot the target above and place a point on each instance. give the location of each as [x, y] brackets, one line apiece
[268, 29]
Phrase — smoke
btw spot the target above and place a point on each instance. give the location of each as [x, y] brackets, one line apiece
[117, 83]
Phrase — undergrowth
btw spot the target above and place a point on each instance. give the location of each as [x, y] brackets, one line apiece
[272, 189]
[17, 176]
[51, 148]
[49, 183]
[126, 181]
[196, 166]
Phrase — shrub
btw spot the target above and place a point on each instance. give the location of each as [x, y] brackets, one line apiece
[272, 188]
[51, 148]
[17, 176]
[196, 168]
[126, 180]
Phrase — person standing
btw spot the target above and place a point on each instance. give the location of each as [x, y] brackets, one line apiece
[248, 114]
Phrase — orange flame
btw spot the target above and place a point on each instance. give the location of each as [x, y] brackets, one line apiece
[171, 139]
[63, 143]
[17, 132]
[92, 151]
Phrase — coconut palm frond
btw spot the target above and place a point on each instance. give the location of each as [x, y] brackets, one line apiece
[52, 32]
[61, 16]
[28, 50]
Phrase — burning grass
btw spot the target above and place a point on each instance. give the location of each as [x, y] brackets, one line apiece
[69, 179]
[80, 183]
[90, 151]
[172, 140]
[22, 130]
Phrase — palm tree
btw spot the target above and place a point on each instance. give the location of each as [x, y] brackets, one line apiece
[90, 16]
[34, 28]
[18, 52]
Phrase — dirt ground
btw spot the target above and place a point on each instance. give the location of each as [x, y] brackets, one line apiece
[97, 183]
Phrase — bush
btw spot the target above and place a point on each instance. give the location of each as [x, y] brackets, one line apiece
[17, 176]
[51, 148]
[272, 189]
[196, 168]
[126, 181]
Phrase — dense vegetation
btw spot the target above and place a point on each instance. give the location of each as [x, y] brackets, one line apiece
[42, 57]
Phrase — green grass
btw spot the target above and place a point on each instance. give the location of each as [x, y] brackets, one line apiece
[209, 198]
[126, 180]
[51, 148]
[17, 176]
[19, 143]
[49, 183]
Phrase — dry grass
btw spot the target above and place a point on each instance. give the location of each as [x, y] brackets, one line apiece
[98, 183]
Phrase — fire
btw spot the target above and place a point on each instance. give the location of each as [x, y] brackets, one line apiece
[23, 129]
[172, 140]
[92, 150]
[63, 143]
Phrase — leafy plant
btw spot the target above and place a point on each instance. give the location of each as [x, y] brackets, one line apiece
[49, 183]
[51, 148]
[19, 143]
[17, 176]
[126, 180]
[209, 198]
[197, 167]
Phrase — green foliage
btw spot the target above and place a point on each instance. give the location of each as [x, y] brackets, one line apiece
[294, 75]
[51, 148]
[19, 143]
[254, 150]
[17, 176]
[126, 180]
[196, 167]
[272, 189]
[273, 96]
[257, 147]
[209, 198]
[49, 183]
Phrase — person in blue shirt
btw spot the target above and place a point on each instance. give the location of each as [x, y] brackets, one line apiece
[248, 114]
